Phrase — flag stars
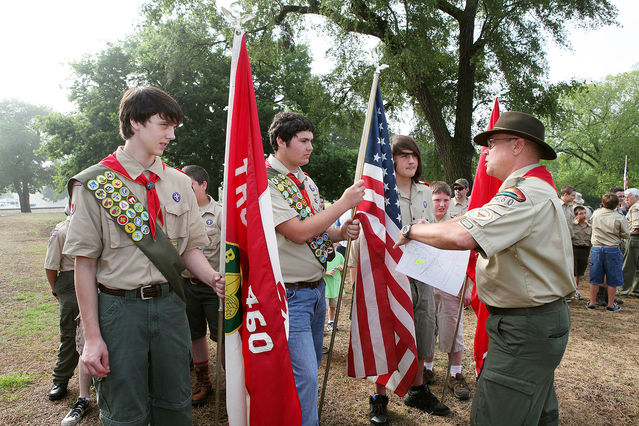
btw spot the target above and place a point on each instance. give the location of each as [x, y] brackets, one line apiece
[382, 141]
[376, 157]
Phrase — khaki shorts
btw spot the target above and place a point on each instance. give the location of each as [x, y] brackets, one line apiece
[447, 307]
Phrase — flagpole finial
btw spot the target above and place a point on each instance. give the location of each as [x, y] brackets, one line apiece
[380, 67]
[236, 16]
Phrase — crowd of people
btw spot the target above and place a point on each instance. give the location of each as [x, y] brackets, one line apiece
[134, 267]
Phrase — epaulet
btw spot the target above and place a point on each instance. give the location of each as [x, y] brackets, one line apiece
[424, 182]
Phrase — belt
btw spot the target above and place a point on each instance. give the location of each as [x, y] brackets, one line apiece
[196, 281]
[524, 311]
[144, 293]
[303, 284]
[604, 246]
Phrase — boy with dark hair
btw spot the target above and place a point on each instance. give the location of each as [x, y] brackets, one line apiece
[304, 241]
[134, 227]
[581, 235]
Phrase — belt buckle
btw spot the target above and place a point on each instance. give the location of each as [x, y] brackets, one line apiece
[142, 296]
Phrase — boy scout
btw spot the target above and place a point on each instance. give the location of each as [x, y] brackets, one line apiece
[201, 301]
[631, 256]
[134, 226]
[523, 275]
[304, 235]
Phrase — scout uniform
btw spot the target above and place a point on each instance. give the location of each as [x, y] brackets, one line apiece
[609, 229]
[144, 328]
[631, 256]
[456, 208]
[581, 235]
[420, 206]
[65, 289]
[523, 276]
[303, 277]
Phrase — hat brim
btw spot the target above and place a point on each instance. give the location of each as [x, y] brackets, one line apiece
[546, 152]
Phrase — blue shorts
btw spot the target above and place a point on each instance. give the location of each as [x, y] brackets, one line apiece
[608, 262]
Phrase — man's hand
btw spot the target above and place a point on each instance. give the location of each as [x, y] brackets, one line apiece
[219, 285]
[401, 240]
[350, 229]
[95, 358]
[354, 194]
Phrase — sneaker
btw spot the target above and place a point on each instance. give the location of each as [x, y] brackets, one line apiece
[591, 307]
[421, 398]
[329, 326]
[578, 296]
[324, 350]
[429, 376]
[618, 302]
[377, 413]
[613, 308]
[78, 411]
[459, 387]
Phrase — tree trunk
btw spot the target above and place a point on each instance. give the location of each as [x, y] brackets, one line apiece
[22, 188]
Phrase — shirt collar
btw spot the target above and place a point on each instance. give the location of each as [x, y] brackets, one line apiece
[135, 169]
[277, 165]
[517, 176]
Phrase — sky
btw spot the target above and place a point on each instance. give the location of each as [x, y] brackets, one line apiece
[40, 38]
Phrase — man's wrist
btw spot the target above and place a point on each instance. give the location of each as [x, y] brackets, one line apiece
[406, 231]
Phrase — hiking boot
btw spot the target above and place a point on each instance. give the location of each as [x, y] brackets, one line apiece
[78, 411]
[613, 308]
[429, 376]
[421, 398]
[58, 391]
[377, 413]
[203, 386]
[459, 387]
[329, 326]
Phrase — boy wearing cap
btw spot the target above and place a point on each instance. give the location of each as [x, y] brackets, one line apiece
[459, 204]
[135, 225]
[524, 274]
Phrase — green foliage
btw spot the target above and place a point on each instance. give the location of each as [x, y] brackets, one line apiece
[598, 127]
[13, 381]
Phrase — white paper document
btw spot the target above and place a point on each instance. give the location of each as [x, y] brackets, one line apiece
[443, 269]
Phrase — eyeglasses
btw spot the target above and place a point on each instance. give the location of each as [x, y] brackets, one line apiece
[459, 188]
[491, 141]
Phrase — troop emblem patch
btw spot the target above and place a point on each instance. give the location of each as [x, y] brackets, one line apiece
[176, 197]
[514, 193]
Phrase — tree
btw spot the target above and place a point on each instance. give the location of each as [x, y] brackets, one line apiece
[21, 169]
[598, 127]
[448, 56]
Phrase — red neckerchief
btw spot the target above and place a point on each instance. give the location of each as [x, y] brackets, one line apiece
[542, 173]
[151, 195]
[300, 185]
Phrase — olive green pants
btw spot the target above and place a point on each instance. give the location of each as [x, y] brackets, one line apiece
[630, 264]
[516, 386]
[67, 355]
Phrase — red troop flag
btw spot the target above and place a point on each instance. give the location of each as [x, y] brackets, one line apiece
[382, 343]
[484, 189]
[260, 387]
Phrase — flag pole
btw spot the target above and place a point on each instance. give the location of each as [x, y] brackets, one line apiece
[358, 175]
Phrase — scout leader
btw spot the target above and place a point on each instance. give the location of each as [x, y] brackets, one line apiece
[135, 225]
[523, 275]
[304, 245]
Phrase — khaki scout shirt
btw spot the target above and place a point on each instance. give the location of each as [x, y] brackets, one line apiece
[633, 218]
[297, 262]
[120, 264]
[456, 208]
[417, 205]
[581, 234]
[212, 219]
[54, 259]
[609, 228]
[526, 253]
[445, 217]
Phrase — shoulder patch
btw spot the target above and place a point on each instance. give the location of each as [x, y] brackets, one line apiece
[480, 214]
[514, 193]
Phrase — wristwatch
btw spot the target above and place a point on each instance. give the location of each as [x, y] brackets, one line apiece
[405, 231]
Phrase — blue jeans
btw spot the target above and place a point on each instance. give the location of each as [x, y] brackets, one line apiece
[608, 262]
[307, 310]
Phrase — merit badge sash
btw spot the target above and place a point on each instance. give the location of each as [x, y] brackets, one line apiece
[321, 246]
[132, 218]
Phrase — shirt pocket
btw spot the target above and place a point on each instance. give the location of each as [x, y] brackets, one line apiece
[117, 237]
[176, 224]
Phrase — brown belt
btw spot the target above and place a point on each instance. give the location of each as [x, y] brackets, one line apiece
[303, 284]
[144, 293]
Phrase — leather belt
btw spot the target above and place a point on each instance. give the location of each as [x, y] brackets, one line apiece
[144, 293]
[303, 284]
[524, 311]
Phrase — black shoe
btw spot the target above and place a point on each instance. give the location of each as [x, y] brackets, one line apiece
[613, 308]
[618, 301]
[377, 413]
[429, 376]
[58, 391]
[591, 307]
[420, 397]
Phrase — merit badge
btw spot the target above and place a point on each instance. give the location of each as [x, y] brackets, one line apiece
[124, 205]
[122, 220]
[209, 222]
[514, 193]
[138, 207]
[303, 213]
[130, 213]
[136, 236]
[129, 227]
[138, 221]
[322, 258]
[109, 188]
[115, 211]
[313, 245]
[109, 175]
[294, 197]
[304, 202]
[101, 179]
[131, 199]
[117, 183]
[330, 250]
[325, 236]
[298, 206]
[144, 215]
[100, 194]
[92, 185]
[308, 210]
[318, 252]
[124, 191]
[107, 203]
[285, 194]
[280, 187]
[176, 197]
[145, 229]
[116, 197]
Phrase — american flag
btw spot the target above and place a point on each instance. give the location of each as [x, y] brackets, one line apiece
[382, 345]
